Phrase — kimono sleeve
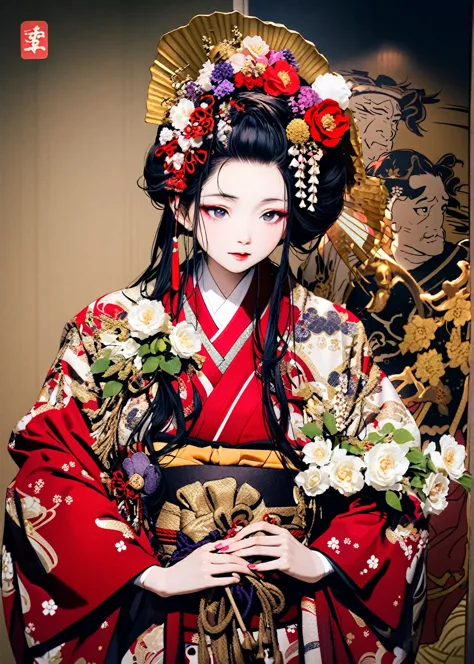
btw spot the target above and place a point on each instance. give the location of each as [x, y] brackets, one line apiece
[66, 549]
[377, 553]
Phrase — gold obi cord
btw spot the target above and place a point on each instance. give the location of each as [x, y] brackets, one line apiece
[210, 511]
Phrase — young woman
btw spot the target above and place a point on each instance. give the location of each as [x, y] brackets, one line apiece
[215, 469]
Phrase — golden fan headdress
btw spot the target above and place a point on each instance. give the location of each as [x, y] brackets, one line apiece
[181, 54]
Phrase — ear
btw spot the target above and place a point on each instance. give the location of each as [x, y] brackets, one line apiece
[182, 217]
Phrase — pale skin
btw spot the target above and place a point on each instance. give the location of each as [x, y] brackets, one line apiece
[243, 209]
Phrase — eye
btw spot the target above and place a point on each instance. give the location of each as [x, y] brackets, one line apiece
[421, 211]
[274, 216]
[213, 211]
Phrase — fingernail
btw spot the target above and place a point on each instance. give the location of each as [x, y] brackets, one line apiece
[260, 574]
[222, 548]
[251, 566]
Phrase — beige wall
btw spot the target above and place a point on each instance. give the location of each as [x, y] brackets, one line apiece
[73, 139]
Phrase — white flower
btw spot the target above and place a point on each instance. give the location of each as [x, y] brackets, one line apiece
[204, 78]
[104, 624]
[120, 546]
[333, 86]
[180, 112]
[373, 562]
[177, 160]
[347, 540]
[68, 500]
[49, 607]
[333, 543]
[344, 472]
[166, 135]
[128, 348]
[146, 318]
[436, 489]
[57, 499]
[186, 143]
[237, 60]
[138, 363]
[318, 452]
[314, 480]
[185, 341]
[451, 458]
[255, 46]
[386, 465]
[31, 507]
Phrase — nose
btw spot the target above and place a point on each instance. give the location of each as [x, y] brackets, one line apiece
[244, 235]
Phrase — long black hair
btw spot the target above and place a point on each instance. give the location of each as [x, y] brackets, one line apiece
[258, 135]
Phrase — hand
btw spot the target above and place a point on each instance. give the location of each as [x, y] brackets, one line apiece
[290, 556]
[196, 572]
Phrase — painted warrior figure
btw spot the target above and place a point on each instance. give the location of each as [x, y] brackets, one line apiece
[215, 469]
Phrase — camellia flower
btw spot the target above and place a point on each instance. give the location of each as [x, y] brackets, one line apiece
[314, 480]
[281, 79]
[344, 472]
[147, 318]
[180, 112]
[436, 490]
[386, 465]
[185, 341]
[335, 87]
[318, 451]
[451, 458]
[327, 123]
[248, 82]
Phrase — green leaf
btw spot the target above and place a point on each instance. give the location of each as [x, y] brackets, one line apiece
[151, 364]
[172, 366]
[431, 465]
[355, 450]
[393, 500]
[311, 430]
[402, 436]
[112, 388]
[144, 350]
[329, 421]
[154, 346]
[421, 495]
[387, 428]
[161, 345]
[100, 365]
[417, 482]
[465, 481]
[374, 437]
[417, 457]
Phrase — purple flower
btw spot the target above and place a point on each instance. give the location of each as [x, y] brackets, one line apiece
[193, 91]
[144, 475]
[274, 56]
[295, 109]
[290, 58]
[224, 88]
[221, 72]
[307, 97]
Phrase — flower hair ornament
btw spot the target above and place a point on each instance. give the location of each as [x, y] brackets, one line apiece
[193, 90]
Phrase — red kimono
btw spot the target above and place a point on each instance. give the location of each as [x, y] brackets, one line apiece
[72, 551]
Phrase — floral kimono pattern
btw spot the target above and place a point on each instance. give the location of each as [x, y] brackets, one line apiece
[71, 554]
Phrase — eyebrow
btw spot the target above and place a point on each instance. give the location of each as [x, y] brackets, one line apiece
[425, 198]
[235, 198]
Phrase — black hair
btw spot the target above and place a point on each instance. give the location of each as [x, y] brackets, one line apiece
[258, 135]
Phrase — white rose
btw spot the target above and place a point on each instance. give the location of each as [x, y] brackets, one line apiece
[166, 135]
[237, 60]
[128, 348]
[146, 318]
[179, 114]
[319, 451]
[185, 341]
[255, 46]
[436, 489]
[204, 78]
[314, 480]
[451, 458]
[344, 472]
[333, 86]
[31, 507]
[386, 465]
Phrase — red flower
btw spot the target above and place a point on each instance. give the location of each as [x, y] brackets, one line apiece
[327, 123]
[176, 183]
[281, 79]
[248, 82]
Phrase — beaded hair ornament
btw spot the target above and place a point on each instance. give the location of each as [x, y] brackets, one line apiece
[195, 81]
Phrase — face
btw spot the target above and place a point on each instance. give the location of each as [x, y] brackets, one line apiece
[418, 223]
[377, 117]
[242, 214]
